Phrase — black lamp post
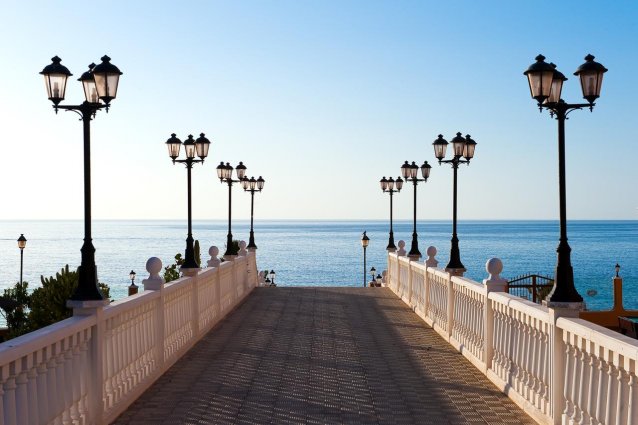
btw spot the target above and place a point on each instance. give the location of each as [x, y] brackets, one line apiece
[373, 271]
[272, 277]
[546, 84]
[365, 240]
[132, 289]
[463, 147]
[391, 186]
[192, 148]
[225, 174]
[22, 243]
[252, 185]
[409, 173]
[100, 84]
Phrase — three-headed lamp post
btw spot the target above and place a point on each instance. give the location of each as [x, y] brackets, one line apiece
[192, 148]
[410, 173]
[225, 175]
[463, 148]
[391, 186]
[252, 185]
[546, 84]
[100, 88]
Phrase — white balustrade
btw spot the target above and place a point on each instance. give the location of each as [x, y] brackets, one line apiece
[89, 368]
[559, 369]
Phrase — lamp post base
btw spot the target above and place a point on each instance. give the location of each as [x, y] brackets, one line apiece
[456, 271]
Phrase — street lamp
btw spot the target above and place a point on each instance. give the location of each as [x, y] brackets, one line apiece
[373, 271]
[252, 185]
[391, 186]
[132, 289]
[546, 84]
[379, 280]
[22, 243]
[365, 240]
[272, 277]
[463, 147]
[225, 175]
[100, 84]
[409, 173]
[192, 148]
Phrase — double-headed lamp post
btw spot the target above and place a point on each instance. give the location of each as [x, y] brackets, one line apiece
[365, 241]
[463, 147]
[22, 243]
[409, 173]
[391, 186]
[546, 84]
[252, 185]
[192, 148]
[225, 175]
[100, 85]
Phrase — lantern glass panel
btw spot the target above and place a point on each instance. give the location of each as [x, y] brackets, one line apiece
[390, 183]
[260, 183]
[425, 170]
[399, 183]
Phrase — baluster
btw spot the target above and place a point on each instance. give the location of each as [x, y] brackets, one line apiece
[10, 400]
[583, 382]
[621, 403]
[535, 347]
[610, 405]
[632, 410]
[576, 375]
[527, 337]
[569, 370]
[32, 391]
[22, 407]
[70, 410]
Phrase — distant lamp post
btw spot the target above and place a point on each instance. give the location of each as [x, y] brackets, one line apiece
[252, 185]
[463, 147]
[546, 84]
[192, 148]
[379, 280]
[100, 84]
[365, 241]
[409, 173]
[132, 289]
[22, 243]
[617, 269]
[391, 186]
[225, 175]
[373, 271]
[272, 276]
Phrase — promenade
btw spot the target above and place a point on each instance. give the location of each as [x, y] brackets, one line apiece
[323, 356]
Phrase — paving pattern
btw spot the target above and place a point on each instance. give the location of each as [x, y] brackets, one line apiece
[323, 356]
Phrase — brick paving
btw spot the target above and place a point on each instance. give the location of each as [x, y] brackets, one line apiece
[323, 356]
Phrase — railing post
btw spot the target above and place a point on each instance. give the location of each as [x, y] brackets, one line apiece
[410, 282]
[195, 304]
[493, 283]
[95, 393]
[558, 357]
[450, 305]
[430, 262]
[156, 283]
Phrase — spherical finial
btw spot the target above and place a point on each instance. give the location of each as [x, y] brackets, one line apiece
[431, 251]
[242, 245]
[494, 266]
[213, 251]
[154, 266]
[401, 244]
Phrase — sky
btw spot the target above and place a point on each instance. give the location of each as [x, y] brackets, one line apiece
[322, 99]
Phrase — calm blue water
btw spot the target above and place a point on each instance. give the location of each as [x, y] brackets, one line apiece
[329, 252]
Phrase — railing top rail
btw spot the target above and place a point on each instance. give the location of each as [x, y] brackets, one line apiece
[528, 307]
[36, 340]
[129, 303]
[438, 272]
[601, 337]
[406, 260]
[470, 284]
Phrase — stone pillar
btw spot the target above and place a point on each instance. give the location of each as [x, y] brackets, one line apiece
[155, 282]
[431, 261]
[213, 251]
[401, 251]
[493, 283]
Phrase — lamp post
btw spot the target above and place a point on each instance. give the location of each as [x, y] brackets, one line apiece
[365, 240]
[463, 147]
[225, 174]
[252, 185]
[409, 173]
[272, 277]
[192, 148]
[546, 84]
[379, 280]
[391, 186]
[100, 84]
[132, 289]
[22, 243]
[373, 271]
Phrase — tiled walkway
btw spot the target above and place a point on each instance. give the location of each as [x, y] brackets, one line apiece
[323, 356]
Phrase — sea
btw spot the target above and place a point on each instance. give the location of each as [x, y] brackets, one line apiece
[329, 253]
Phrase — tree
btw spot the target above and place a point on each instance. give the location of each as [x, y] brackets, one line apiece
[15, 303]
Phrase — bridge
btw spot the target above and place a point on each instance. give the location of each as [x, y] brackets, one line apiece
[214, 347]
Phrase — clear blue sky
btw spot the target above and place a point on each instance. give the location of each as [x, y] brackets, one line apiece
[322, 99]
